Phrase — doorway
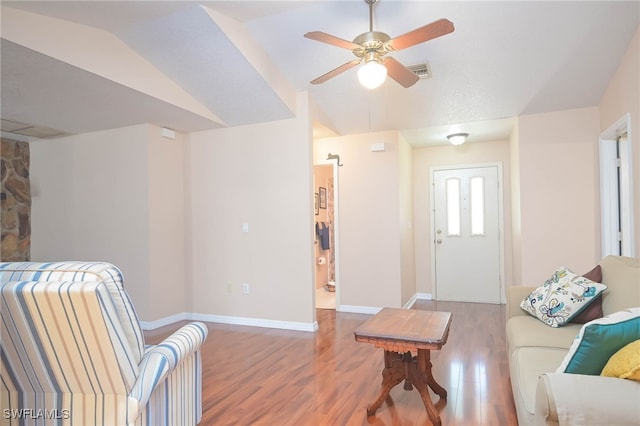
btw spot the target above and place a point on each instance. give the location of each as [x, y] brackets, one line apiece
[326, 235]
[467, 229]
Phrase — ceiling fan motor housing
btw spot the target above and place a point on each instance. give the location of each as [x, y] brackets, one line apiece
[373, 45]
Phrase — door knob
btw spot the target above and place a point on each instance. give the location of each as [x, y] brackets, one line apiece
[438, 241]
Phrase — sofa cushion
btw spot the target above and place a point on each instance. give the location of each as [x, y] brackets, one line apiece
[523, 331]
[624, 364]
[527, 364]
[598, 340]
[563, 296]
[621, 275]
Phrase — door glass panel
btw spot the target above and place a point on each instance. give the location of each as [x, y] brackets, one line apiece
[453, 207]
[477, 205]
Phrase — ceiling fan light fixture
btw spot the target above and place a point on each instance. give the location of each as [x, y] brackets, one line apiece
[372, 74]
[457, 138]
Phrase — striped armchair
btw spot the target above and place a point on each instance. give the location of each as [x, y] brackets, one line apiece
[72, 352]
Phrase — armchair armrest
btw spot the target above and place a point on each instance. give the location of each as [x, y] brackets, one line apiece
[515, 295]
[566, 399]
[160, 360]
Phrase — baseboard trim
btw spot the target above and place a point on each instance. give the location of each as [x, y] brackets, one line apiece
[358, 309]
[151, 325]
[424, 296]
[410, 302]
[223, 319]
[259, 322]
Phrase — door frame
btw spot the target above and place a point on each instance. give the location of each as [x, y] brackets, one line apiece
[432, 232]
[336, 230]
[608, 189]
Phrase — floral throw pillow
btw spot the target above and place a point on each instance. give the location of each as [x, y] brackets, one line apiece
[561, 297]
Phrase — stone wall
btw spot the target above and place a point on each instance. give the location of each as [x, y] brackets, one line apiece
[16, 201]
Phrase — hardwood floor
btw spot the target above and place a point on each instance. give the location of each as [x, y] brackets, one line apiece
[260, 376]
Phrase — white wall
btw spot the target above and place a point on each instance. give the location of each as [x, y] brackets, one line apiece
[514, 206]
[116, 196]
[369, 209]
[169, 285]
[90, 202]
[119, 196]
[559, 203]
[621, 97]
[260, 175]
[407, 260]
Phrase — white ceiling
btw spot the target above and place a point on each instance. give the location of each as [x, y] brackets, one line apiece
[241, 62]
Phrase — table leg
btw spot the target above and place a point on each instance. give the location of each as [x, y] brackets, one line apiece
[392, 374]
[424, 366]
[417, 373]
[422, 379]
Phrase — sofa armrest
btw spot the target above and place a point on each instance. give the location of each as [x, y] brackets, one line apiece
[160, 360]
[515, 295]
[564, 399]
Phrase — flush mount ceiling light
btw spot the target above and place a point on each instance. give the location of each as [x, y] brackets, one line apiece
[457, 138]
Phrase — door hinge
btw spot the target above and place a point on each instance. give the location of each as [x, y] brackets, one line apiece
[618, 162]
[619, 236]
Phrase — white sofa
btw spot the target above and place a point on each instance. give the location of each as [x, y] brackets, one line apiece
[536, 350]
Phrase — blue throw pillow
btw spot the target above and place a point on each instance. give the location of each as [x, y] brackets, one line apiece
[599, 339]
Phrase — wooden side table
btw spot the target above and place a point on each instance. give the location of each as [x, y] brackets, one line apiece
[398, 332]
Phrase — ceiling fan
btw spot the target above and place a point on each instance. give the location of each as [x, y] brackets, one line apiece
[372, 48]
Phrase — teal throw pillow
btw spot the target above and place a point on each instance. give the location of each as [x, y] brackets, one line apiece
[599, 339]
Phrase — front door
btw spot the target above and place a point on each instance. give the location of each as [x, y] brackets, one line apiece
[467, 234]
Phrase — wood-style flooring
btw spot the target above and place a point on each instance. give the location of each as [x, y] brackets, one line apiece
[260, 376]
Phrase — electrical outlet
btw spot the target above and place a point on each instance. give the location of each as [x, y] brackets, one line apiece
[245, 288]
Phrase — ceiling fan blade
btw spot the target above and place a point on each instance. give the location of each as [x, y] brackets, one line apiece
[334, 72]
[400, 73]
[332, 40]
[422, 34]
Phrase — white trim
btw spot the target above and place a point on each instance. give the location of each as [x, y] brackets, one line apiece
[151, 325]
[608, 189]
[411, 301]
[223, 319]
[626, 188]
[358, 309]
[608, 198]
[415, 298]
[424, 296]
[498, 165]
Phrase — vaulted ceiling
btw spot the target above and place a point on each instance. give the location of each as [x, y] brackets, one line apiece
[80, 66]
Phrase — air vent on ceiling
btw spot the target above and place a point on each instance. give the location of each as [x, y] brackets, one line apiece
[25, 129]
[421, 70]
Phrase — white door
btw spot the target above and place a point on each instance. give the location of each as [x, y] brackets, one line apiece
[467, 234]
